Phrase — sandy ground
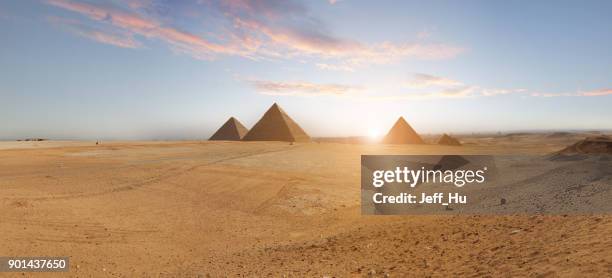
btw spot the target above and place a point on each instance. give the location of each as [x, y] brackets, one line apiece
[172, 209]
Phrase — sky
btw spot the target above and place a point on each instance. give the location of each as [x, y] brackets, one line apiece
[159, 69]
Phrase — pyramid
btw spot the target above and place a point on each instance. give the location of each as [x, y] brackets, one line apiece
[446, 139]
[276, 125]
[402, 133]
[232, 130]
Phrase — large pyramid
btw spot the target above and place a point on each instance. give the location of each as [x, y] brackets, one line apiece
[402, 133]
[232, 130]
[276, 125]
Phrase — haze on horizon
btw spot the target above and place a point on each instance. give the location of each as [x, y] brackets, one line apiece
[158, 69]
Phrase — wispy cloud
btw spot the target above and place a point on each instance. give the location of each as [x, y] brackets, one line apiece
[422, 80]
[125, 40]
[401, 97]
[286, 29]
[458, 92]
[333, 67]
[594, 93]
[553, 94]
[138, 4]
[443, 87]
[134, 23]
[429, 87]
[488, 92]
[465, 92]
[300, 88]
[256, 29]
[108, 38]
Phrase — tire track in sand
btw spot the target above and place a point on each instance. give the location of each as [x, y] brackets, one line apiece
[155, 179]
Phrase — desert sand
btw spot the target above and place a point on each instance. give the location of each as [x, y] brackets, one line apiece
[183, 209]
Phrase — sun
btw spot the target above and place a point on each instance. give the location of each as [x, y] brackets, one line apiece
[374, 133]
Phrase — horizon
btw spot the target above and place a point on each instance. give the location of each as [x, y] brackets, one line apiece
[378, 138]
[150, 70]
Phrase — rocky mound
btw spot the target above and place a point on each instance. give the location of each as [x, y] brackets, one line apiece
[560, 134]
[446, 139]
[32, 140]
[590, 145]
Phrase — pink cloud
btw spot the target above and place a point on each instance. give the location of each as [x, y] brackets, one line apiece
[136, 24]
[496, 92]
[451, 88]
[137, 4]
[257, 29]
[103, 36]
[596, 93]
[301, 88]
[421, 80]
[120, 41]
[552, 95]
[345, 54]
[459, 92]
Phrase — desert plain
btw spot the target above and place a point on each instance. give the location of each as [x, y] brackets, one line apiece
[269, 209]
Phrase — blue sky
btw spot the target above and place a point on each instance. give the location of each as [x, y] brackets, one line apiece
[150, 69]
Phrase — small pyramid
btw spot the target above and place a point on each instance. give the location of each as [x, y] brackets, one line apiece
[446, 139]
[232, 130]
[276, 125]
[402, 133]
